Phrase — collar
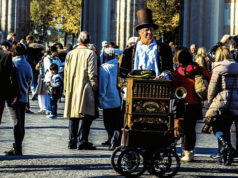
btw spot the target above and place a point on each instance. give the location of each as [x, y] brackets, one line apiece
[80, 44]
[142, 44]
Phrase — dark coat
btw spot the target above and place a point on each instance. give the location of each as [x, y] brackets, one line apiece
[212, 52]
[165, 54]
[9, 83]
[36, 55]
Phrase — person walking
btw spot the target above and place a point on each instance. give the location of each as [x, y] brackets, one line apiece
[109, 99]
[9, 78]
[233, 45]
[80, 83]
[17, 107]
[223, 97]
[185, 77]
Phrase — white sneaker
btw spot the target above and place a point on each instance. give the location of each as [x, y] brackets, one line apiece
[52, 117]
[189, 156]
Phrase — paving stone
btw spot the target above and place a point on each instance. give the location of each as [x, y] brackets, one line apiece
[46, 153]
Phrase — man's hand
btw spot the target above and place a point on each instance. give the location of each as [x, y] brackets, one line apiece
[48, 83]
[160, 78]
[14, 101]
[225, 39]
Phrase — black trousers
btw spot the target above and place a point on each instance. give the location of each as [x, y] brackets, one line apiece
[191, 114]
[79, 129]
[110, 118]
[189, 138]
[17, 116]
[116, 139]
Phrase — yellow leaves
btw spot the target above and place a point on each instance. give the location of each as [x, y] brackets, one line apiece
[45, 10]
[167, 17]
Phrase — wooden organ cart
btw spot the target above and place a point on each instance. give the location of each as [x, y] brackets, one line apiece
[149, 135]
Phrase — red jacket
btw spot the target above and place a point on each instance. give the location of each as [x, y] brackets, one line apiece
[187, 81]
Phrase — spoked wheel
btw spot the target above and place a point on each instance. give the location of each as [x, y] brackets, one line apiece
[131, 163]
[165, 163]
[115, 156]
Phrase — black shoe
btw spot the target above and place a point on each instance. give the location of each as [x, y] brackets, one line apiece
[106, 143]
[14, 151]
[72, 147]
[112, 147]
[86, 147]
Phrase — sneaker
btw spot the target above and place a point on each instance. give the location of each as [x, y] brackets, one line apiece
[52, 117]
[41, 112]
[47, 112]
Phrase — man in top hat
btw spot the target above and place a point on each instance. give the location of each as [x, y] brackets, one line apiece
[147, 53]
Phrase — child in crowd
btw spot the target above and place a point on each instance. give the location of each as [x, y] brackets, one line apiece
[55, 85]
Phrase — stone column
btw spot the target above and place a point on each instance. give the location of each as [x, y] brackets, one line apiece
[128, 19]
[4, 18]
[186, 27]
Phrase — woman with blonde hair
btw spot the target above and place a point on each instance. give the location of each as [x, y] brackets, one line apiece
[202, 59]
[223, 96]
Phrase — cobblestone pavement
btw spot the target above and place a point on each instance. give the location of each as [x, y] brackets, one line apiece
[46, 153]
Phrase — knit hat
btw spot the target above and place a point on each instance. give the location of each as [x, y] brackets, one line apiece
[104, 43]
[109, 53]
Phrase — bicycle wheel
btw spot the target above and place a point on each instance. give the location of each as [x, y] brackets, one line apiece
[132, 163]
[114, 158]
[165, 163]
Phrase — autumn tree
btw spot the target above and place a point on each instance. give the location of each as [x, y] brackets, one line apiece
[166, 16]
[44, 11]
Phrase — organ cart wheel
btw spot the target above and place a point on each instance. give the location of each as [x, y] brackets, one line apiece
[132, 162]
[115, 156]
[165, 163]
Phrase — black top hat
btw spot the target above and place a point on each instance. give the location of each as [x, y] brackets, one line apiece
[144, 19]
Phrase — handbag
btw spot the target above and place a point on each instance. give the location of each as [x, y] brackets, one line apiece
[201, 86]
[144, 74]
[209, 122]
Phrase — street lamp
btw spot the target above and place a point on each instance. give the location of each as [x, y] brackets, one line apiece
[58, 26]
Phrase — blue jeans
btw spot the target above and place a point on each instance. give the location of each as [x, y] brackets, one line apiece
[53, 103]
[47, 100]
[222, 128]
[34, 83]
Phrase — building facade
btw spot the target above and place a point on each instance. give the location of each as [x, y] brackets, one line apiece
[111, 20]
[15, 17]
[206, 21]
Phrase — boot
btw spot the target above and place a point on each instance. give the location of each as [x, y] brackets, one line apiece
[226, 151]
[14, 151]
[222, 159]
[224, 144]
[188, 156]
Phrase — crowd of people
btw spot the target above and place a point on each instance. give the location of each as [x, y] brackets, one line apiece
[89, 79]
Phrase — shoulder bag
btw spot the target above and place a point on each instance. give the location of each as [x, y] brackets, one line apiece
[201, 86]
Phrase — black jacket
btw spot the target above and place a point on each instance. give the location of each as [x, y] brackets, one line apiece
[9, 82]
[212, 52]
[165, 58]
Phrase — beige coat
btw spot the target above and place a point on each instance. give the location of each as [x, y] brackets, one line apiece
[219, 90]
[80, 82]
